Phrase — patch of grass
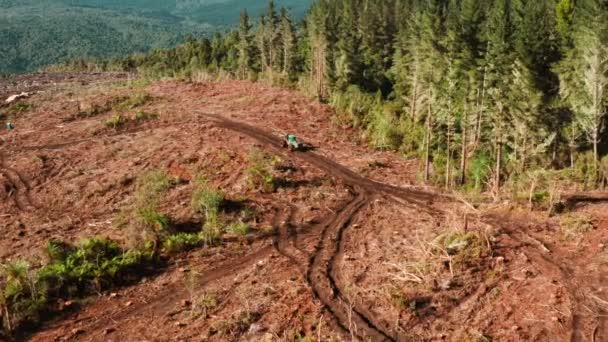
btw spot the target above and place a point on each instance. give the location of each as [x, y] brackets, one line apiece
[435, 262]
[143, 218]
[212, 230]
[206, 200]
[410, 302]
[133, 102]
[461, 248]
[182, 242]
[259, 172]
[237, 325]
[116, 121]
[97, 109]
[398, 299]
[120, 120]
[573, 226]
[204, 304]
[476, 336]
[239, 228]
[18, 108]
[145, 116]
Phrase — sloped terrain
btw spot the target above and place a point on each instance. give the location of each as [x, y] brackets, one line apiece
[347, 247]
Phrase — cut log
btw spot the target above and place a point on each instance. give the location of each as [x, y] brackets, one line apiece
[590, 197]
[16, 97]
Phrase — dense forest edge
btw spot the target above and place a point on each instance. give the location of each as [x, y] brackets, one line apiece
[505, 97]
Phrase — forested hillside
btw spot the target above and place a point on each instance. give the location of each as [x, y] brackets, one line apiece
[38, 33]
[502, 95]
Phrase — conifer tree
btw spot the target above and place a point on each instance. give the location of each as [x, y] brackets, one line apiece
[244, 47]
[289, 44]
[498, 61]
[347, 60]
[584, 73]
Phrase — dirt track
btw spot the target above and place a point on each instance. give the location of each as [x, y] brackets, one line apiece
[321, 269]
[547, 289]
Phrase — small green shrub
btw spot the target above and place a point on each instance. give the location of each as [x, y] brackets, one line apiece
[479, 171]
[206, 200]
[116, 121]
[584, 171]
[239, 228]
[206, 303]
[573, 226]
[91, 266]
[540, 198]
[212, 229]
[90, 112]
[182, 242]
[20, 296]
[143, 218]
[413, 138]
[259, 172]
[133, 102]
[18, 108]
[382, 129]
[144, 116]
[57, 250]
[152, 218]
[463, 248]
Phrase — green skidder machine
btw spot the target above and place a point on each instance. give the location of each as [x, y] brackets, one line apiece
[290, 141]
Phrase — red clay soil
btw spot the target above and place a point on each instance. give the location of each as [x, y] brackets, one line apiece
[346, 249]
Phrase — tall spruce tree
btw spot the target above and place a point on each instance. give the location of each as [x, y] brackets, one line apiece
[245, 64]
[584, 73]
[289, 44]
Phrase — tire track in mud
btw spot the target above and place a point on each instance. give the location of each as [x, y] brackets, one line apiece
[321, 276]
[285, 241]
[21, 197]
[323, 272]
[586, 324]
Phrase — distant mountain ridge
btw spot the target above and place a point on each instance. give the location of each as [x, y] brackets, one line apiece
[37, 33]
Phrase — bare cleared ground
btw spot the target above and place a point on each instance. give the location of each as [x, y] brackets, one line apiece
[348, 248]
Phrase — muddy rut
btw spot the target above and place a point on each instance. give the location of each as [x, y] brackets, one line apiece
[18, 186]
[322, 273]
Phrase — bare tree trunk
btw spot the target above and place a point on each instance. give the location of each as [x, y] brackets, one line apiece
[414, 98]
[427, 164]
[480, 110]
[464, 152]
[595, 156]
[448, 161]
[498, 160]
[524, 155]
[572, 147]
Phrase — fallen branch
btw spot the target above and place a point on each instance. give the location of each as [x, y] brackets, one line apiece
[591, 197]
